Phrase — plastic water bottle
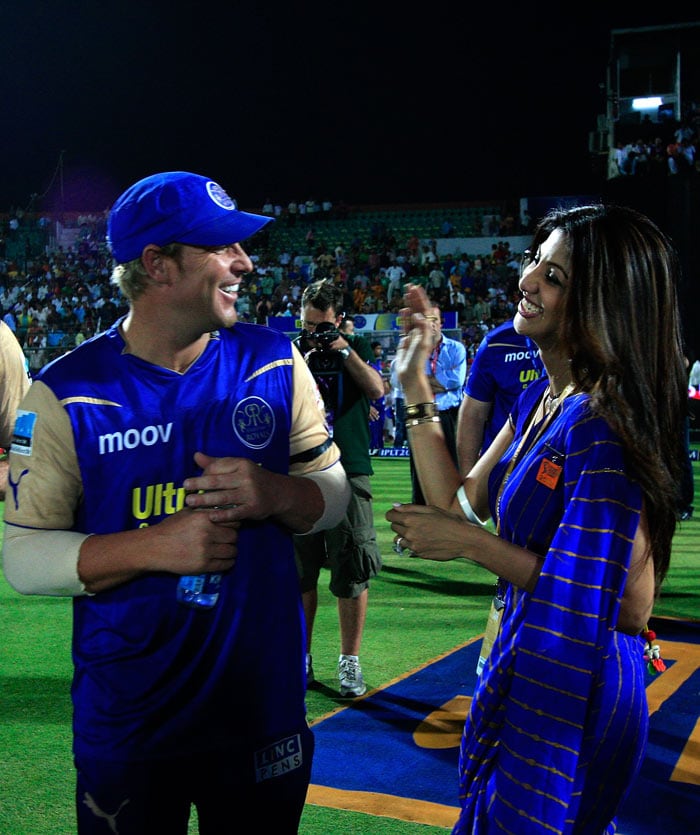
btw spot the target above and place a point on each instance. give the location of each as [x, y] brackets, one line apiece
[200, 591]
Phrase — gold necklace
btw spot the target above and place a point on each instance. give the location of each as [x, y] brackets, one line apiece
[552, 401]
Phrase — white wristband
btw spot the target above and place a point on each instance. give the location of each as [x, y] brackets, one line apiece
[467, 508]
[336, 490]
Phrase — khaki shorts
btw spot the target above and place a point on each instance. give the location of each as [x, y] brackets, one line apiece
[349, 550]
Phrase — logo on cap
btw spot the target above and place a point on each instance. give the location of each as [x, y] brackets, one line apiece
[219, 196]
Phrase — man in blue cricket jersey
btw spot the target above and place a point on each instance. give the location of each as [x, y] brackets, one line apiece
[504, 365]
[178, 442]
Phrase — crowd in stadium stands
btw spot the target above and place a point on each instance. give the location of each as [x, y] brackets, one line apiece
[54, 297]
[652, 155]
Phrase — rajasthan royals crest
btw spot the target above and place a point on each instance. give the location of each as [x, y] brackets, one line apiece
[254, 422]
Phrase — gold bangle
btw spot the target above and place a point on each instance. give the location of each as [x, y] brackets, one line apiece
[416, 421]
[421, 410]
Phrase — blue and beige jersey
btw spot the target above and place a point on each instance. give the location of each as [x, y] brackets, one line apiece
[103, 443]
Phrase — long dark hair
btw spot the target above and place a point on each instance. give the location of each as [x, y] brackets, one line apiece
[622, 326]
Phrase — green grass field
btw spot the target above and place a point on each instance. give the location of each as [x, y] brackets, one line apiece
[418, 610]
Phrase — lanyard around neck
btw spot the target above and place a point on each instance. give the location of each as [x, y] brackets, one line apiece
[539, 431]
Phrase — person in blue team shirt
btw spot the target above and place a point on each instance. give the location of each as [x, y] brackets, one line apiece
[178, 442]
[377, 406]
[505, 363]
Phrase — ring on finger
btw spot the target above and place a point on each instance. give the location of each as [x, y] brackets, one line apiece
[398, 546]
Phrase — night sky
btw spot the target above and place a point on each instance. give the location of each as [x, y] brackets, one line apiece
[365, 103]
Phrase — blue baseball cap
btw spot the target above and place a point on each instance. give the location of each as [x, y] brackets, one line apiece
[176, 207]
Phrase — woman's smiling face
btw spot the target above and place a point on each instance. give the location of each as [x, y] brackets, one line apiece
[544, 283]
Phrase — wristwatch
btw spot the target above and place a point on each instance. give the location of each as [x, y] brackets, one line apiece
[346, 351]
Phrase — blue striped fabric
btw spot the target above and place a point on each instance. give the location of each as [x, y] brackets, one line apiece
[559, 721]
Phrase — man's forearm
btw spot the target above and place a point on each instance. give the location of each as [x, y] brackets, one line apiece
[366, 377]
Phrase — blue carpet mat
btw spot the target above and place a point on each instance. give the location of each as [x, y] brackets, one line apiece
[394, 752]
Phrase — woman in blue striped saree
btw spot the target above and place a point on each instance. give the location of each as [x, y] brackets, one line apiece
[581, 486]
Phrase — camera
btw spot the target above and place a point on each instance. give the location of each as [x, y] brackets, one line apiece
[324, 363]
[316, 347]
[323, 336]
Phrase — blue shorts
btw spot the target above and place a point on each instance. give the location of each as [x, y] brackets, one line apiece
[140, 798]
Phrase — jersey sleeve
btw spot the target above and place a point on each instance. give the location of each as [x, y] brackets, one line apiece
[15, 382]
[479, 384]
[44, 483]
[311, 447]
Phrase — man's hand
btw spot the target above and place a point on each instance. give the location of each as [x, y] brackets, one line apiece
[232, 489]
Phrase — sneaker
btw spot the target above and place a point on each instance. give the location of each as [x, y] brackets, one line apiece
[350, 675]
[309, 670]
